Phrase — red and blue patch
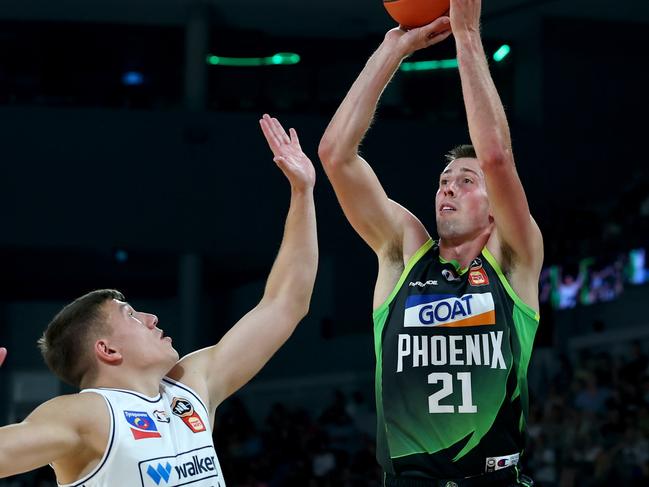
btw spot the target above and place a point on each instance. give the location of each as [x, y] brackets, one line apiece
[142, 425]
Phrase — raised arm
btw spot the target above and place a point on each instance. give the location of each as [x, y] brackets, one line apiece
[490, 136]
[252, 341]
[377, 219]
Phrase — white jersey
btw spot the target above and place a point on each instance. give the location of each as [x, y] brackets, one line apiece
[164, 441]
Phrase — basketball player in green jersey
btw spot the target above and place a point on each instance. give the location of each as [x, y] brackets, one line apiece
[454, 319]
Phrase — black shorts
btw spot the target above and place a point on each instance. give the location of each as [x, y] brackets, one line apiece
[507, 477]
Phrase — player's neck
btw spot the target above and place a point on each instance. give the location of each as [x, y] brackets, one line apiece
[140, 382]
[462, 250]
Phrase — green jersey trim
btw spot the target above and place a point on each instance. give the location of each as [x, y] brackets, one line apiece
[411, 263]
[522, 305]
[458, 268]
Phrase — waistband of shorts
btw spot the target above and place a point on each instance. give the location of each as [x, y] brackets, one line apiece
[504, 477]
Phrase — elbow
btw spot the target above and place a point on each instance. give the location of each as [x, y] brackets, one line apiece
[494, 158]
[293, 310]
[326, 151]
[298, 311]
[331, 154]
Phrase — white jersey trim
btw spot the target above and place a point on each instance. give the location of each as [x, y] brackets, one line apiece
[109, 446]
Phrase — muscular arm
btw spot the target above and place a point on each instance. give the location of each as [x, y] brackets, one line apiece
[252, 341]
[490, 136]
[53, 431]
[377, 219]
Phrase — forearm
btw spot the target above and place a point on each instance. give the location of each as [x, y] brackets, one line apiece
[25, 447]
[293, 274]
[486, 117]
[354, 116]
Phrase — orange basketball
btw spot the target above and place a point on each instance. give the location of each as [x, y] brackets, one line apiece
[415, 13]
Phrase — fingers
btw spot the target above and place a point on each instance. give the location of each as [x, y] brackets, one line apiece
[268, 133]
[294, 137]
[437, 26]
[275, 133]
[277, 129]
[3, 354]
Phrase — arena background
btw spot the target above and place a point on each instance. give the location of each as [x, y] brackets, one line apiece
[130, 162]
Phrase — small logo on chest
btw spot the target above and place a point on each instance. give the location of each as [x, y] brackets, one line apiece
[430, 282]
[477, 274]
[478, 277]
[161, 416]
[182, 408]
[450, 276]
[141, 425]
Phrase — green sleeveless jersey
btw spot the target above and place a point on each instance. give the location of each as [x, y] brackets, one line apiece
[452, 350]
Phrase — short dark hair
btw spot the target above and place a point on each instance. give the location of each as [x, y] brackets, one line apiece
[460, 151]
[64, 344]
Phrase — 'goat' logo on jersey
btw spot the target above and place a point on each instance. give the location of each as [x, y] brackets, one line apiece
[431, 310]
[142, 426]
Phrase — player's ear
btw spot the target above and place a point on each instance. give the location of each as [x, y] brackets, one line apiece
[106, 352]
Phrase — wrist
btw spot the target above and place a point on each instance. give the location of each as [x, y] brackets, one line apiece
[305, 189]
[467, 37]
[394, 48]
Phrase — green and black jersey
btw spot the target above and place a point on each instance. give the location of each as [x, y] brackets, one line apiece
[452, 349]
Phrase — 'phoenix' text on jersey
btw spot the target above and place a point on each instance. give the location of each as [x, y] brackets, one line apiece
[423, 350]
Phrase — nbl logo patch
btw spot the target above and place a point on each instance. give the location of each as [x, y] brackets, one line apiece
[182, 408]
[142, 425]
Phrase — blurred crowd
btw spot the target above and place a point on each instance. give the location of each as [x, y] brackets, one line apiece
[591, 427]
[295, 448]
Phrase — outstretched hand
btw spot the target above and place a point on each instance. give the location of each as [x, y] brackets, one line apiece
[290, 158]
[418, 38]
[3, 354]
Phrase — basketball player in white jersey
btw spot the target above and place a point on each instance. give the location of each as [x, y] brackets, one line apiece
[144, 417]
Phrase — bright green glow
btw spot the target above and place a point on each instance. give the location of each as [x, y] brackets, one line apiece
[429, 65]
[502, 53]
[281, 58]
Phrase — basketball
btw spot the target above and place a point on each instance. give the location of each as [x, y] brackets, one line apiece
[415, 13]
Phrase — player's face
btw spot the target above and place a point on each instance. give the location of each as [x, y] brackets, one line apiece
[461, 203]
[138, 338]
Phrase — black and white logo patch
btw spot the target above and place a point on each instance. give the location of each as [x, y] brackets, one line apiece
[449, 275]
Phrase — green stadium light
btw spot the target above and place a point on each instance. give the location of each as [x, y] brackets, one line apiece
[281, 58]
[429, 65]
[502, 53]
